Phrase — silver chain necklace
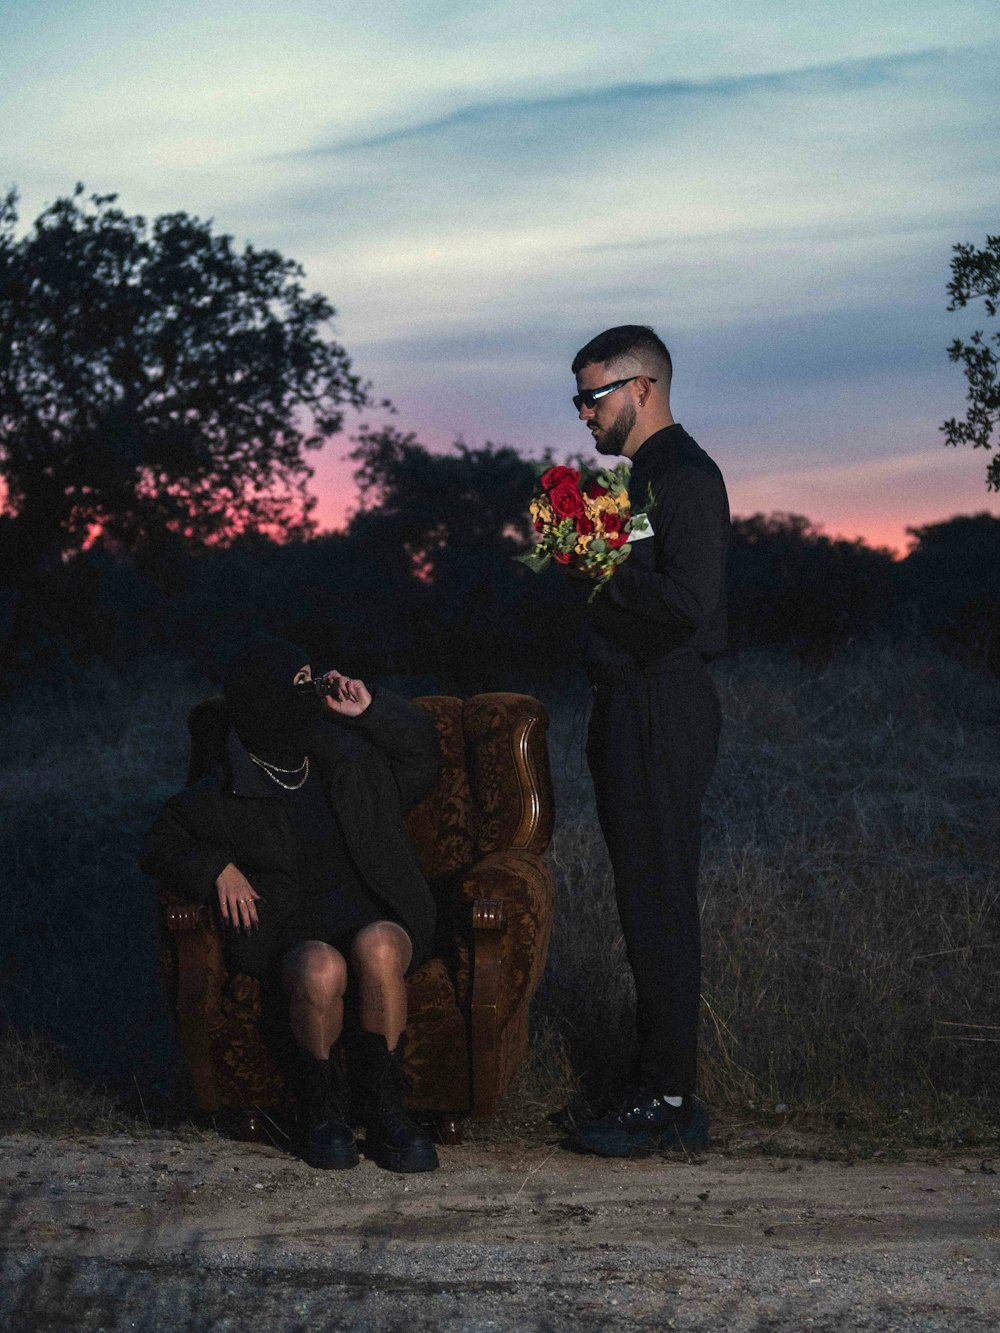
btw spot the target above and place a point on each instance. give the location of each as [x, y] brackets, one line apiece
[272, 771]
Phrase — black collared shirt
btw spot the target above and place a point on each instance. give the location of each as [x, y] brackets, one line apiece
[325, 867]
[669, 598]
[324, 861]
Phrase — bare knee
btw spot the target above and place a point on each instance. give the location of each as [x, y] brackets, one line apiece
[382, 949]
[315, 972]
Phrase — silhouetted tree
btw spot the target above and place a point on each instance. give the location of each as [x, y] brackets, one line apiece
[975, 274]
[444, 503]
[422, 582]
[952, 577]
[447, 524]
[791, 584]
[158, 386]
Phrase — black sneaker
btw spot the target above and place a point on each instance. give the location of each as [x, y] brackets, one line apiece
[643, 1125]
[584, 1107]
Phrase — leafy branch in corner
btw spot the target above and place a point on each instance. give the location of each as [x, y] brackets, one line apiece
[975, 276]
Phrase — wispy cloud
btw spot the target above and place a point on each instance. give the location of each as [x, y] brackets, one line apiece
[625, 98]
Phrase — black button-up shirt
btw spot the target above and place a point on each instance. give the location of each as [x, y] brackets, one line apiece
[669, 597]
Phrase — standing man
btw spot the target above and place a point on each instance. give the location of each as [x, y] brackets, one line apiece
[654, 727]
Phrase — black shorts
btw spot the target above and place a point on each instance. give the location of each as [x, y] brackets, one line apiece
[259, 954]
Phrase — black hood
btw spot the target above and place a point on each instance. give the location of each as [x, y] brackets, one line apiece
[272, 719]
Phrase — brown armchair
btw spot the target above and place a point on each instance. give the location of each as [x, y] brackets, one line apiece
[480, 836]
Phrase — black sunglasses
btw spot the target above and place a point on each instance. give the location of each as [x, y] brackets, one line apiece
[588, 397]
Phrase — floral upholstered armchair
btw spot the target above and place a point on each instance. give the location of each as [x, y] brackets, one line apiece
[480, 836]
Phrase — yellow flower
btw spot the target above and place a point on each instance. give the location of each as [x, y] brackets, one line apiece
[542, 511]
[605, 504]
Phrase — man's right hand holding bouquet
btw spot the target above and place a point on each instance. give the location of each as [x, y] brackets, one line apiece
[585, 521]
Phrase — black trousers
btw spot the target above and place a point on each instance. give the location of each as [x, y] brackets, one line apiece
[651, 748]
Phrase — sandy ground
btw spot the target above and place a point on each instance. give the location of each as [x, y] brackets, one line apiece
[166, 1233]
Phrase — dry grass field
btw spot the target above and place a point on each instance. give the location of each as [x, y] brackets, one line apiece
[850, 891]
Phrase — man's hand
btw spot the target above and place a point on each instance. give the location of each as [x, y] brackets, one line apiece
[236, 899]
[348, 697]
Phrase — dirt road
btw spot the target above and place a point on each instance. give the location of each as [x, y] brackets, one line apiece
[166, 1233]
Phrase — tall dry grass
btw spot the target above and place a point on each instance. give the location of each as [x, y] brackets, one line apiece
[84, 770]
[850, 892]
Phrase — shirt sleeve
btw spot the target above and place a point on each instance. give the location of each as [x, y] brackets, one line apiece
[407, 737]
[181, 860]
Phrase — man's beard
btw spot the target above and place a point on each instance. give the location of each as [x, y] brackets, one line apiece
[612, 439]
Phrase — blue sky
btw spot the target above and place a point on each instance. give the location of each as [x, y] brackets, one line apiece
[480, 188]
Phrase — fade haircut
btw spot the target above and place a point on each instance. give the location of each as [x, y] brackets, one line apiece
[621, 341]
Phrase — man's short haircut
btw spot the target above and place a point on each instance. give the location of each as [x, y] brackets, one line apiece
[619, 342]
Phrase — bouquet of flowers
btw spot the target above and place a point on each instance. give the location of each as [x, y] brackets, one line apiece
[584, 519]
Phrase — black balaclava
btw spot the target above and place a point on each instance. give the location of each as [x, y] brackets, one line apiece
[272, 719]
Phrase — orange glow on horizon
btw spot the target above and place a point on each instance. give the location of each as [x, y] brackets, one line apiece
[882, 520]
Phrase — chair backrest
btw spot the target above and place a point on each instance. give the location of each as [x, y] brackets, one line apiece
[442, 825]
[494, 791]
[508, 761]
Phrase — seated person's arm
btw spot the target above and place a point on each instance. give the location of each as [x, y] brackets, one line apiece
[184, 862]
[399, 728]
[197, 868]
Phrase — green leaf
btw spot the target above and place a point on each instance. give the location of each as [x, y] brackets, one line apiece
[535, 560]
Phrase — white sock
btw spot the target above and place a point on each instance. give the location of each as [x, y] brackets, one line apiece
[673, 1101]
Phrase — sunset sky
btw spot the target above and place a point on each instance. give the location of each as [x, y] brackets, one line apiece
[480, 188]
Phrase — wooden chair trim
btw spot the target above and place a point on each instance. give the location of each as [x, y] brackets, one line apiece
[528, 782]
[527, 723]
[193, 1007]
[188, 916]
[488, 914]
[488, 926]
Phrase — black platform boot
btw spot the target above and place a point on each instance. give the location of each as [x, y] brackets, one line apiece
[392, 1139]
[327, 1140]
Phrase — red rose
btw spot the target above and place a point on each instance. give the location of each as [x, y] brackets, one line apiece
[557, 475]
[584, 525]
[618, 539]
[539, 525]
[612, 523]
[594, 490]
[563, 557]
[566, 500]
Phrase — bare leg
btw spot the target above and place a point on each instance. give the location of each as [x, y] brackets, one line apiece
[315, 977]
[381, 953]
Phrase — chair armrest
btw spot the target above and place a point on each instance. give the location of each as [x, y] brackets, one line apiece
[511, 899]
[488, 929]
[196, 943]
[513, 891]
[178, 916]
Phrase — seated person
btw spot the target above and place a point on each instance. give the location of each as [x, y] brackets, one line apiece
[299, 839]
